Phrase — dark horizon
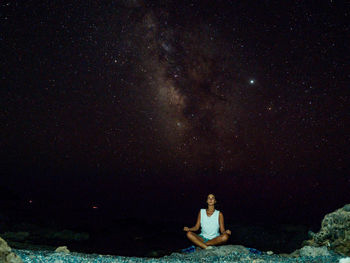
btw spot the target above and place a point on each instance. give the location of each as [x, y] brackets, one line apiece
[269, 200]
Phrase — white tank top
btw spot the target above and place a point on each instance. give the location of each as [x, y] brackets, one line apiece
[210, 224]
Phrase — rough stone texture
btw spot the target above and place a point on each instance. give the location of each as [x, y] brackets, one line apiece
[308, 251]
[4, 248]
[211, 256]
[334, 232]
[344, 260]
[242, 254]
[6, 256]
[224, 250]
[62, 249]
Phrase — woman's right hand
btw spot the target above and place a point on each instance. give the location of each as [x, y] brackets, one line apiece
[186, 229]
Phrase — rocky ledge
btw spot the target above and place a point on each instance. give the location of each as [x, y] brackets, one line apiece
[229, 253]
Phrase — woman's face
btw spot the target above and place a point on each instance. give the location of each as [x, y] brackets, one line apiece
[211, 199]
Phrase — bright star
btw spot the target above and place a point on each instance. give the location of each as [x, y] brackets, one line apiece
[252, 81]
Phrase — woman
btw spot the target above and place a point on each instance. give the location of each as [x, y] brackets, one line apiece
[211, 221]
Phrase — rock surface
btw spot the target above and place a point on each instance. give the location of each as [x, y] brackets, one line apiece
[6, 255]
[308, 251]
[334, 232]
[63, 249]
[229, 253]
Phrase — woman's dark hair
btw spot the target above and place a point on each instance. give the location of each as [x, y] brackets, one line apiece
[217, 204]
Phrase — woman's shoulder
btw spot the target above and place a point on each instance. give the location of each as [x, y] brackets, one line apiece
[202, 211]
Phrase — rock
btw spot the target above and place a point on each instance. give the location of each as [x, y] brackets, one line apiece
[63, 249]
[219, 251]
[6, 256]
[212, 255]
[334, 232]
[289, 255]
[309, 251]
[347, 208]
[225, 250]
[4, 248]
[269, 252]
[344, 260]
[294, 254]
[13, 258]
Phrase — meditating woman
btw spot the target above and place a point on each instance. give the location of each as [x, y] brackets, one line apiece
[211, 221]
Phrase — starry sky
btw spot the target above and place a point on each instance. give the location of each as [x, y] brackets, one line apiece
[160, 101]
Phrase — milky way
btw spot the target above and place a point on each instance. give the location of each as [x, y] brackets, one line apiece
[198, 91]
[219, 87]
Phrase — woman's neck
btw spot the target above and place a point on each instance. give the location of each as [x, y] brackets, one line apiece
[211, 208]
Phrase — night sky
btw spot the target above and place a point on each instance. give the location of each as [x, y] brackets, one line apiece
[148, 106]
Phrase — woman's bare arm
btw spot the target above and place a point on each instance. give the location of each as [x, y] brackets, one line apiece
[221, 222]
[222, 225]
[198, 224]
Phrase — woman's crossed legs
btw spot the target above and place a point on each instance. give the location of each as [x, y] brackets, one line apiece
[199, 241]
